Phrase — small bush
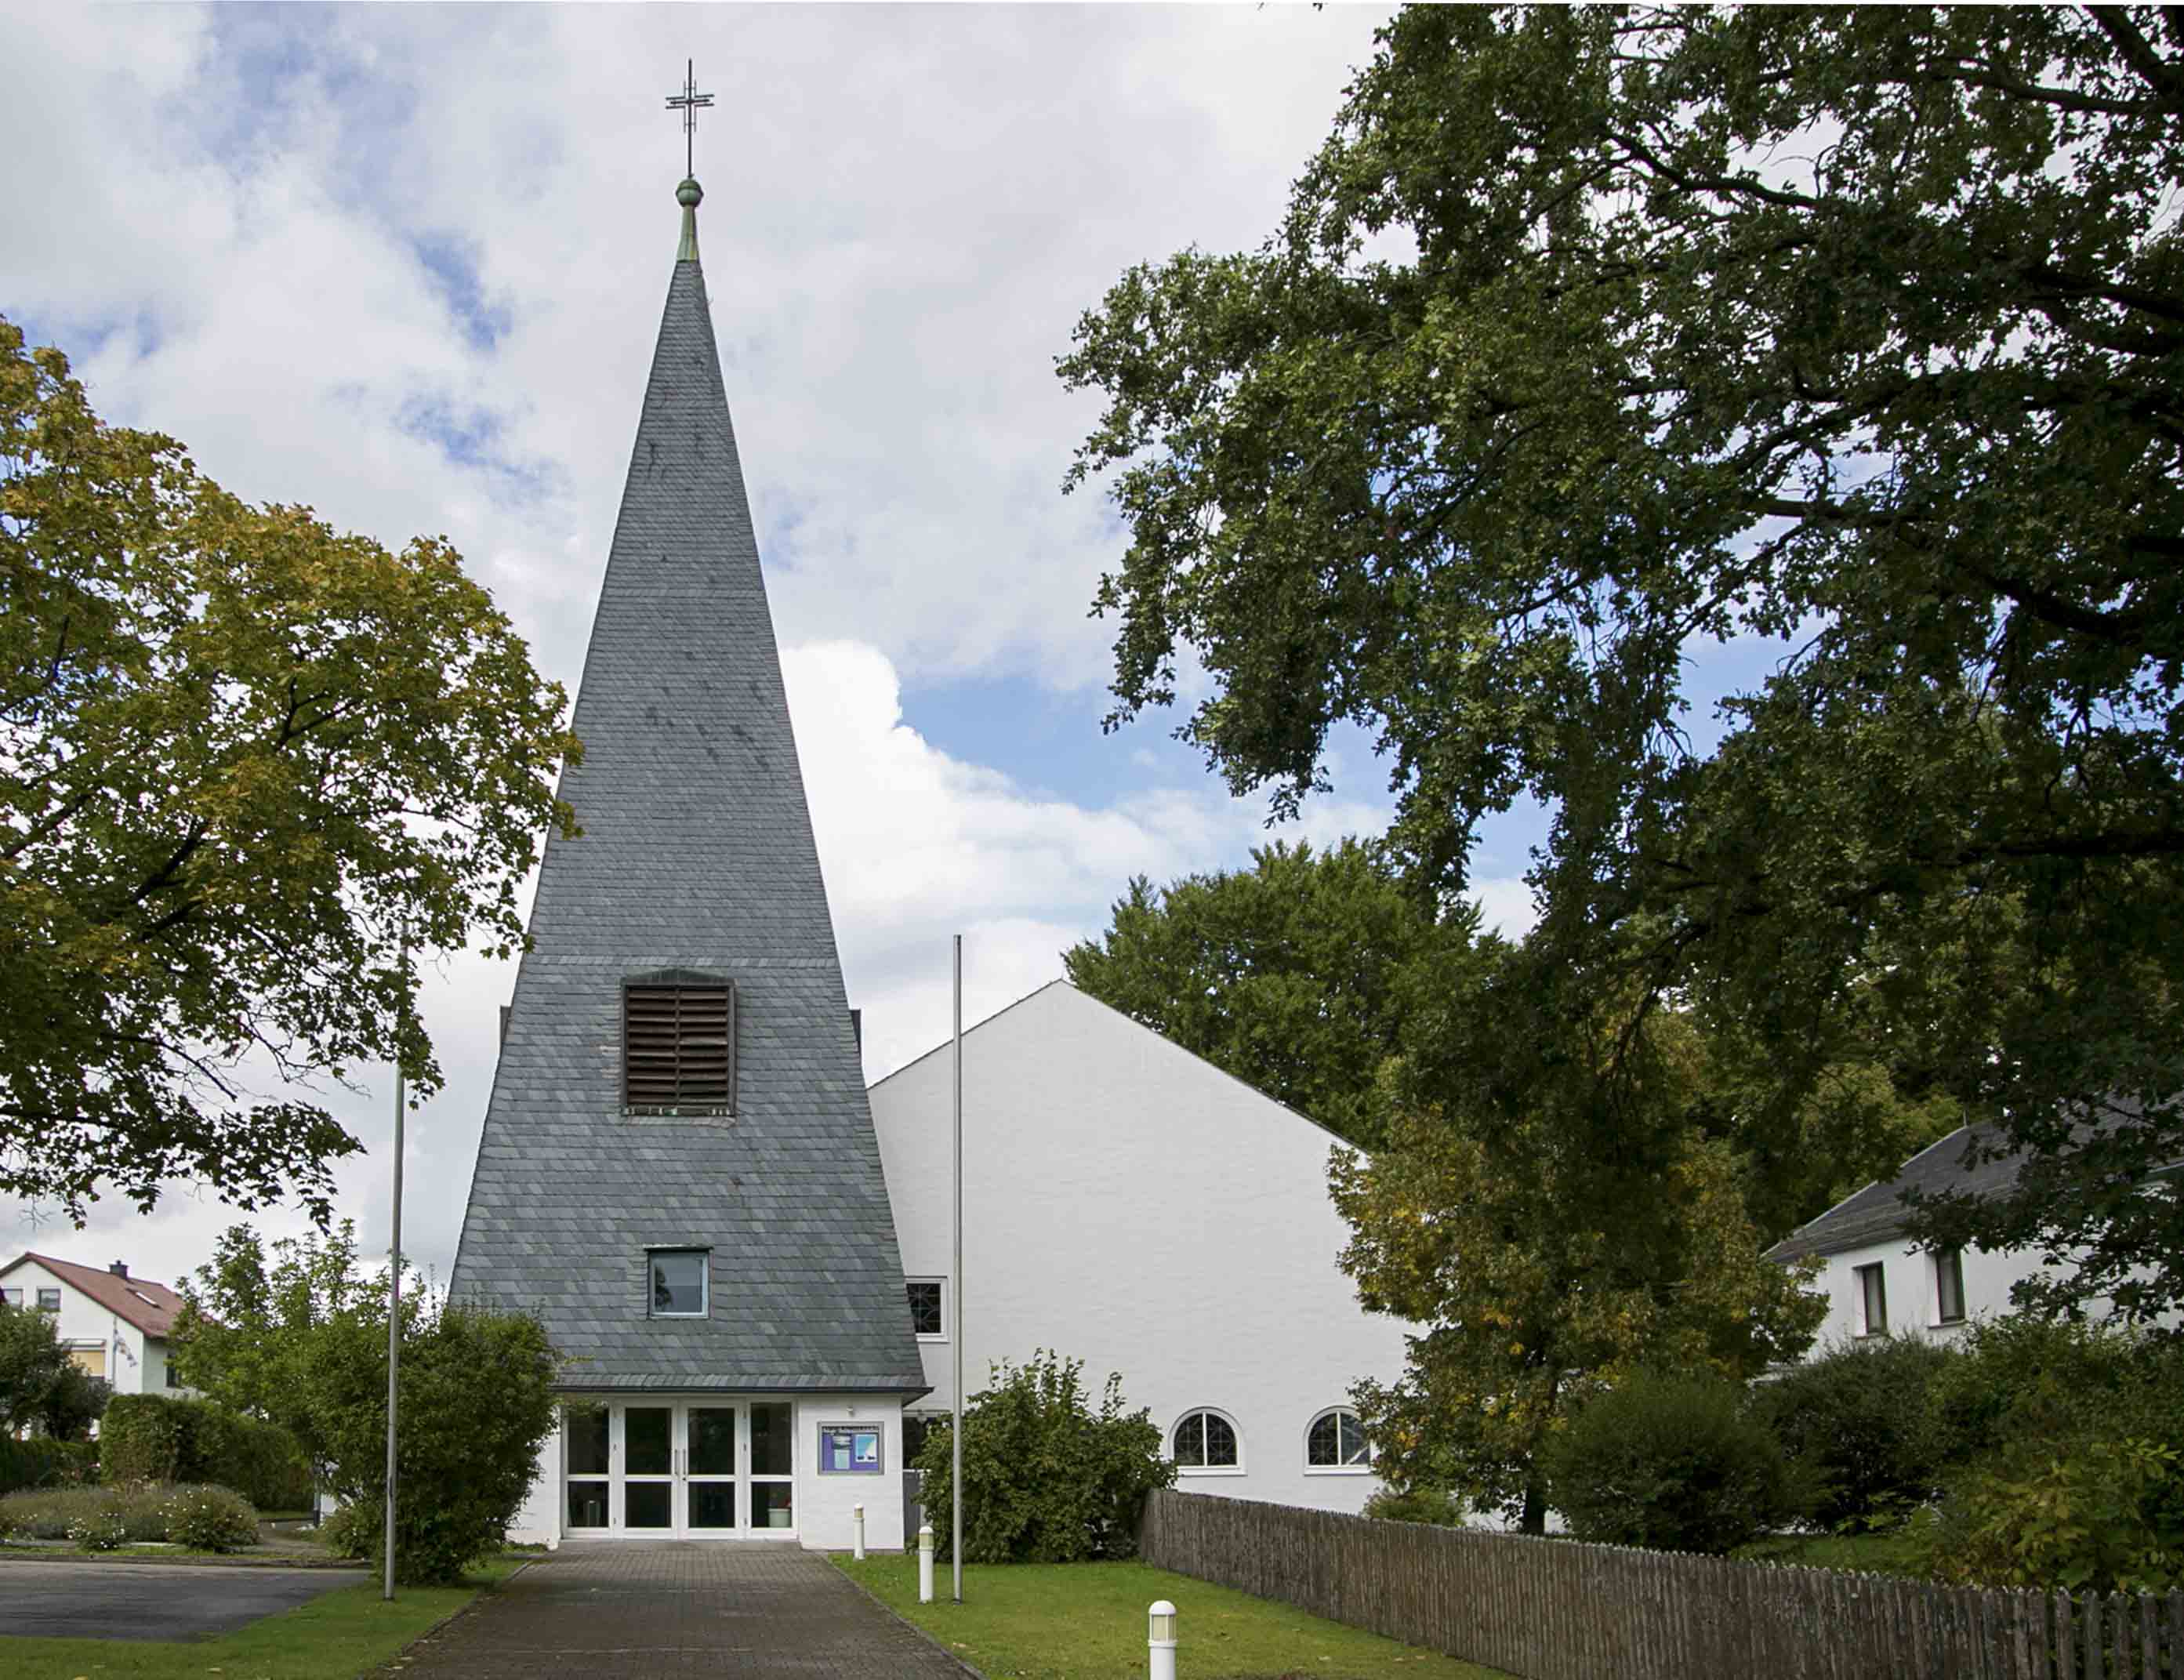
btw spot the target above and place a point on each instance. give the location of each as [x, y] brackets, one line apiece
[343, 1534]
[2097, 1516]
[2025, 1378]
[1676, 1463]
[103, 1529]
[1051, 1479]
[154, 1437]
[1416, 1504]
[1859, 1426]
[210, 1520]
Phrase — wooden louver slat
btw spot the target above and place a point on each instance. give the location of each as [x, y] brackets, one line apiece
[678, 1047]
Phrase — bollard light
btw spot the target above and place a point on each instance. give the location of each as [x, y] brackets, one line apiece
[1159, 1641]
[857, 1527]
[925, 1565]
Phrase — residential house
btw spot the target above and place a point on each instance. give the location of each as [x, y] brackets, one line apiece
[114, 1325]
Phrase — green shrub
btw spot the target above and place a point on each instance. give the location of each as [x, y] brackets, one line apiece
[1676, 1463]
[1051, 1481]
[153, 1437]
[44, 1462]
[477, 1398]
[1416, 1504]
[340, 1533]
[103, 1530]
[210, 1520]
[2026, 1379]
[2093, 1516]
[1860, 1427]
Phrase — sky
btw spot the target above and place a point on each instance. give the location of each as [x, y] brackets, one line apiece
[405, 266]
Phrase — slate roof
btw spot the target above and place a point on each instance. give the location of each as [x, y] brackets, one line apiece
[151, 1306]
[697, 853]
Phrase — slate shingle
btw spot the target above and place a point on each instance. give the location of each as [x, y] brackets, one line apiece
[697, 852]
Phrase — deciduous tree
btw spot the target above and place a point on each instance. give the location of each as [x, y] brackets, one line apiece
[241, 755]
[1594, 338]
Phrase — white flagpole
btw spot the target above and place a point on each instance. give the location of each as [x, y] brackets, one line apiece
[956, 1431]
[394, 1309]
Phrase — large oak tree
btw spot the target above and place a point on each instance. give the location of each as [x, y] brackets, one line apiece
[1593, 337]
[248, 766]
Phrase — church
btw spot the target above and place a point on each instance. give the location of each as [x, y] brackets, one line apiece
[680, 1174]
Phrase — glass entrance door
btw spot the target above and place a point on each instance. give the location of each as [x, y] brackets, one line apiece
[681, 1470]
[708, 1482]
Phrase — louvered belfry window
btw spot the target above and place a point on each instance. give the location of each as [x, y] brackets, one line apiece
[678, 1046]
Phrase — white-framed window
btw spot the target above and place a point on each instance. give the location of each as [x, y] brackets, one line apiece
[928, 1307]
[49, 1300]
[1207, 1443]
[681, 1287]
[11, 1296]
[1335, 1444]
[1872, 1287]
[1949, 1286]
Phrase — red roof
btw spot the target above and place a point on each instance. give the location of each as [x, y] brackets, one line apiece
[151, 1306]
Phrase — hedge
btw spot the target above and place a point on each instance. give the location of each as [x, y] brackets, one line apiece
[40, 1462]
[151, 1437]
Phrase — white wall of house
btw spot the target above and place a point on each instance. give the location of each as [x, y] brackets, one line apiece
[1913, 1297]
[1131, 1205]
[103, 1342]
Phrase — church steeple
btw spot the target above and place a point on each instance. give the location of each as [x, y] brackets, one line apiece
[688, 195]
[696, 871]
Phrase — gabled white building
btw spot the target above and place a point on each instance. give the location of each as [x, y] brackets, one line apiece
[1131, 1205]
[114, 1325]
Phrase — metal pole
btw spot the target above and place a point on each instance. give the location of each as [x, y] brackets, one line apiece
[955, 1432]
[394, 1305]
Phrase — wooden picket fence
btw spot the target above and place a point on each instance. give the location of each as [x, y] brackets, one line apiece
[1557, 1609]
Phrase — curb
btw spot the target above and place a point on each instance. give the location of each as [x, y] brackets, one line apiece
[168, 1560]
[922, 1633]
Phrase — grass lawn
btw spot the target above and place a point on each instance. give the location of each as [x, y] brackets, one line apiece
[1875, 1554]
[335, 1637]
[1087, 1621]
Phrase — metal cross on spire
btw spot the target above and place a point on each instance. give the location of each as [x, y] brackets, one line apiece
[688, 101]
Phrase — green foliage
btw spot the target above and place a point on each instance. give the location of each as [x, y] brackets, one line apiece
[2091, 1514]
[2021, 1379]
[244, 1335]
[41, 1386]
[210, 1520]
[1595, 338]
[348, 1532]
[41, 1461]
[140, 1508]
[1298, 976]
[1862, 1424]
[1551, 1207]
[477, 1398]
[221, 723]
[1416, 1504]
[1671, 1462]
[99, 1531]
[156, 1438]
[1049, 1479]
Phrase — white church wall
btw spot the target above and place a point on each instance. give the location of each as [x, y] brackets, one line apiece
[1130, 1204]
[825, 1502]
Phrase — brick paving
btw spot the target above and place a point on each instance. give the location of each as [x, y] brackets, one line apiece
[606, 1611]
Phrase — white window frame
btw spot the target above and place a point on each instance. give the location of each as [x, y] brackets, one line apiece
[1235, 1429]
[12, 1294]
[945, 1325]
[41, 1298]
[1312, 1469]
[1858, 1300]
[705, 1283]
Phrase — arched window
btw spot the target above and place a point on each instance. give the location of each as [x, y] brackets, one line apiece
[1336, 1441]
[1205, 1442]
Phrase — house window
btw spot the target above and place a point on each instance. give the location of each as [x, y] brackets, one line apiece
[13, 1298]
[928, 1310]
[679, 1282]
[678, 1047]
[173, 1381]
[1205, 1442]
[1336, 1441]
[49, 1300]
[1872, 1301]
[1949, 1286]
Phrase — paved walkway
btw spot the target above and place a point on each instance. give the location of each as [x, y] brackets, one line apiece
[71, 1600]
[608, 1611]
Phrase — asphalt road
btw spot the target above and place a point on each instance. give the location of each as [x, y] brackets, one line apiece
[149, 1600]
